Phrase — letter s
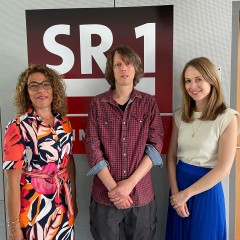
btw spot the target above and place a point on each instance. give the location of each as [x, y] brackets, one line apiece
[52, 46]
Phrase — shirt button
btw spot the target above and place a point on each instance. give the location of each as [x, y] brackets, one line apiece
[124, 123]
[124, 154]
[124, 172]
[106, 123]
[123, 139]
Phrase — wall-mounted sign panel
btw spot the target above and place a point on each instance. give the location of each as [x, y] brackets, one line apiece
[76, 43]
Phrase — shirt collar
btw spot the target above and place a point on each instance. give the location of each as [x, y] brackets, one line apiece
[33, 114]
[107, 97]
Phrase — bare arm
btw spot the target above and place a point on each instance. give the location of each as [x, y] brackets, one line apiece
[143, 168]
[172, 160]
[182, 210]
[226, 153]
[107, 178]
[14, 203]
[72, 175]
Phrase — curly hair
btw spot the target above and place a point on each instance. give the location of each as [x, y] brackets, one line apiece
[128, 56]
[21, 99]
[215, 105]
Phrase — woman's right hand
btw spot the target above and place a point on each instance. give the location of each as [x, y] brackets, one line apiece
[182, 211]
[15, 233]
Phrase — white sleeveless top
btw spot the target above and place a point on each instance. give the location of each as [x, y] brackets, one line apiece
[202, 148]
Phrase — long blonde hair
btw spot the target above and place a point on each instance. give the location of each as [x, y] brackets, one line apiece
[215, 105]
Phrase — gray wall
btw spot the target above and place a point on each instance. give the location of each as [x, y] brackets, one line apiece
[201, 28]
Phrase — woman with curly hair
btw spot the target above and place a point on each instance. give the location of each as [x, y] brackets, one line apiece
[41, 193]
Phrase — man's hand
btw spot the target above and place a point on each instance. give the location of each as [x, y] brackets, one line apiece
[124, 203]
[120, 194]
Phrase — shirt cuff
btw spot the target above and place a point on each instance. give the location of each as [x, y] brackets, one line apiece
[154, 155]
[94, 170]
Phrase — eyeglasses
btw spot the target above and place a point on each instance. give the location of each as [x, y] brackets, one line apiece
[35, 86]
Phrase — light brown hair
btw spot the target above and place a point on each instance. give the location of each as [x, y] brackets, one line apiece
[215, 105]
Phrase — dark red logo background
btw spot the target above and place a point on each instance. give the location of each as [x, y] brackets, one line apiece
[58, 37]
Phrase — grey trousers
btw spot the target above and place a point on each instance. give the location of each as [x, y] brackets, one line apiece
[139, 223]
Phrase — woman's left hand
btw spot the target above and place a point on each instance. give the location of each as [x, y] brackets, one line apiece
[179, 199]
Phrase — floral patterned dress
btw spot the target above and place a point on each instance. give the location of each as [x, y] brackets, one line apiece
[40, 149]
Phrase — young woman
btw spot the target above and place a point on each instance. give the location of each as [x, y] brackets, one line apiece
[200, 155]
[40, 169]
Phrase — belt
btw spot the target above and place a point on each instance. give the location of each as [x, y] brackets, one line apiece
[57, 177]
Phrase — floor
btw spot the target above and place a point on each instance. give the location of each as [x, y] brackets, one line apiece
[2, 222]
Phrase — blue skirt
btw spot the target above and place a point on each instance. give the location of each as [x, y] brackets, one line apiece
[207, 219]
